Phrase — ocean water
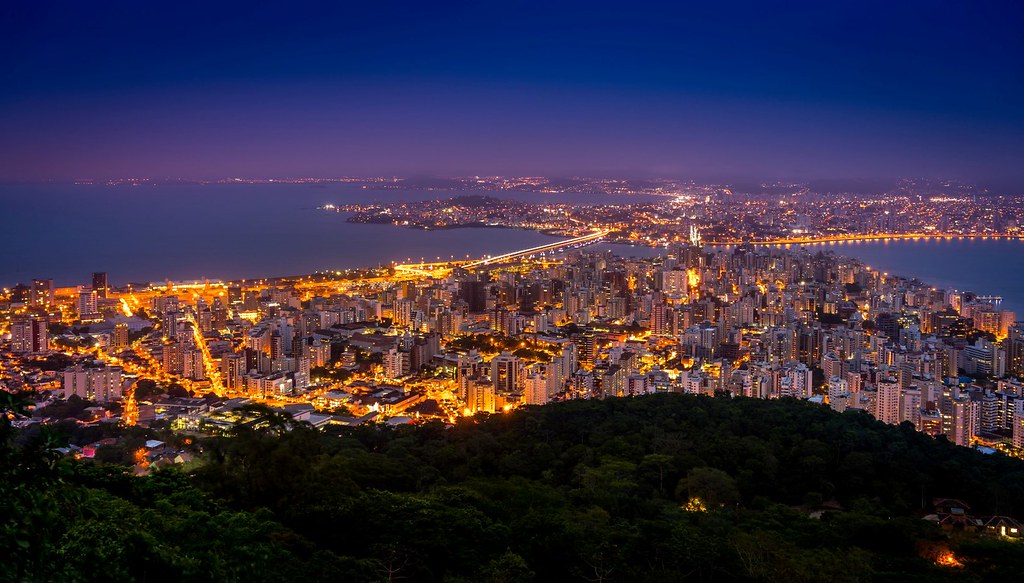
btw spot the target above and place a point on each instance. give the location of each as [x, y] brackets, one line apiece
[230, 231]
[987, 267]
[153, 233]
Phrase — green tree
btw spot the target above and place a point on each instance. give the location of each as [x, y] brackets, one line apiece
[711, 485]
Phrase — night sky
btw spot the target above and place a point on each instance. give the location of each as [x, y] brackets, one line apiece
[787, 90]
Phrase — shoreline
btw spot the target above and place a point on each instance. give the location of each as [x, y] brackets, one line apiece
[726, 243]
[1013, 297]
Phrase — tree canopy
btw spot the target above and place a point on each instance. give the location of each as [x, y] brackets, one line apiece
[657, 488]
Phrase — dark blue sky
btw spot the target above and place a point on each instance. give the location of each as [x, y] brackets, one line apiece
[714, 89]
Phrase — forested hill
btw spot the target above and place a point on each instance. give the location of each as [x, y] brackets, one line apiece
[656, 488]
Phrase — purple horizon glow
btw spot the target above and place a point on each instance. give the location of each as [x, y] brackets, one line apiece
[467, 89]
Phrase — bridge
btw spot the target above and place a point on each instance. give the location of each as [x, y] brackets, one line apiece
[577, 241]
[441, 268]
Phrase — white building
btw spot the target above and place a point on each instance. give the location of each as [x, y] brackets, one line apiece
[887, 405]
[100, 384]
[536, 391]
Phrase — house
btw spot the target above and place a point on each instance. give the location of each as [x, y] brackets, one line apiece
[1003, 526]
[953, 514]
[89, 451]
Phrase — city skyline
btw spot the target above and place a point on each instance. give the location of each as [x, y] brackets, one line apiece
[511, 292]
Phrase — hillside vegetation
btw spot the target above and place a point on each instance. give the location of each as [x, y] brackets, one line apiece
[657, 488]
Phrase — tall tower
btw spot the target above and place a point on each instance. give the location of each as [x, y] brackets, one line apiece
[480, 396]
[99, 284]
[506, 371]
[121, 335]
[536, 392]
[29, 336]
[888, 404]
[1014, 345]
[86, 303]
[42, 292]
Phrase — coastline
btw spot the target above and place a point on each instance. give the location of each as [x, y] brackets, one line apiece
[921, 270]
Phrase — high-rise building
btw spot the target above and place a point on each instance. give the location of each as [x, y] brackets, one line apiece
[234, 294]
[536, 392]
[831, 365]
[397, 363]
[467, 366]
[219, 314]
[988, 405]
[21, 294]
[42, 292]
[232, 371]
[99, 384]
[674, 281]
[29, 336]
[798, 380]
[888, 403]
[120, 335]
[910, 406]
[506, 372]
[172, 358]
[320, 354]
[963, 419]
[192, 364]
[99, 283]
[1018, 425]
[163, 304]
[480, 396]
[258, 338]
[660, 320]
[87, 303]
[403, 310]
[474, 293]
[587, 349]
[277, 344]
[1014, 344]
[407, 290]
[636, 384]
[613, 381]
[838, 393]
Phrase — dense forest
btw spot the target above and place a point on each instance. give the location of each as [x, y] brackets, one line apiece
[658, 488]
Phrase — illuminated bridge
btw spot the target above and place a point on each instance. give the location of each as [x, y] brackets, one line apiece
[584, 240]
[438, 269]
